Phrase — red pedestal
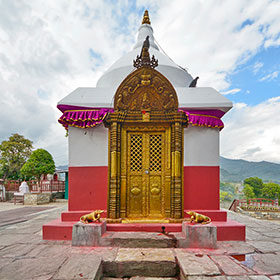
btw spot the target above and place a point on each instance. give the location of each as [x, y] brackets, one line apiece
[88, 192]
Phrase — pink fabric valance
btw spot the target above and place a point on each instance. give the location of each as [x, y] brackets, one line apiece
[83, 118]
[206, 118]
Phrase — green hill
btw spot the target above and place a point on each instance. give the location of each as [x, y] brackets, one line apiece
[236, 170]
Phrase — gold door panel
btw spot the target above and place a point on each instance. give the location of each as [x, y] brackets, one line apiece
[135, 181]
[145, 174]
[155, 178]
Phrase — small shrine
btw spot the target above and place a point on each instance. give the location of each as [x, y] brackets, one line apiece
[144, 145]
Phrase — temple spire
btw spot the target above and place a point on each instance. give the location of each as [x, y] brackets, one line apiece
[145, 30]
[146, 18]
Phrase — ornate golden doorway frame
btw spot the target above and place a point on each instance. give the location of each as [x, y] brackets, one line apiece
[132, 193]
[145, 168]
[146, 172]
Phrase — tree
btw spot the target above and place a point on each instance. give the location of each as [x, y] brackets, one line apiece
[225, 196]
[229, 187]
[256, 183]
[248, 191]
[13, 154]
[40, 162]
[271, 190]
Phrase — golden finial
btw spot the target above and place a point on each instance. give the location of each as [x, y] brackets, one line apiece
[146, 18]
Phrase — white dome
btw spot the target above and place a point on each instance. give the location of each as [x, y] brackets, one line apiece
[124, 66]
[102, 96]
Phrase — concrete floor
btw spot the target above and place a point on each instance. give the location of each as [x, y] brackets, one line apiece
[24, 255]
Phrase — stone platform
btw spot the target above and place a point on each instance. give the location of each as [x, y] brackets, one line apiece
[24, 255]
[61, 229]
[192, 236]
[36, 198]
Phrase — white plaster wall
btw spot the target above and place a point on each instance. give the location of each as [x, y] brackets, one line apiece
[201, 146]
[90, 149]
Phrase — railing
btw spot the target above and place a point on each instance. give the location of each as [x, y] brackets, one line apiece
[12, 185]
[45, 186]
[255, 204]
[49, 186]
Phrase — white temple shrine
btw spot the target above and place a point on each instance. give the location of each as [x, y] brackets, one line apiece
[143, 145]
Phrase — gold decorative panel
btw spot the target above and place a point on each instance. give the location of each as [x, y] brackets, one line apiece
[136, 146]
[155, 152]
[145, 89]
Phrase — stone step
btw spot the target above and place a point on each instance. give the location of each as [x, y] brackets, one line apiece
[152, 278]
[81, 267]
[141, 239]
[147, 227]
[142, 262]
[141, 278]
[196, 265]
[192, 236]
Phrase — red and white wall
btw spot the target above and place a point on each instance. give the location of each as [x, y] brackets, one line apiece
[88, 167]
[201, 168]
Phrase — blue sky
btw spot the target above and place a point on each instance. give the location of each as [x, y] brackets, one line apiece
[258, 78]
[48, 49]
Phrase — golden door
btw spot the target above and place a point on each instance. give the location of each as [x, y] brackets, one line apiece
[145, 174]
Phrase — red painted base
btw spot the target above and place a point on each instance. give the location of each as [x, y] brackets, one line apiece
[58, 230]
[229, 230]
[89, 185]
[88, 190]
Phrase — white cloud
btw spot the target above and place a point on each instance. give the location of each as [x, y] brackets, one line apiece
[231, 91]
[209, 40]
[252, 132]
[45, 50]
[269, 77]
[257, 66]
[45, 54]
[274, 99]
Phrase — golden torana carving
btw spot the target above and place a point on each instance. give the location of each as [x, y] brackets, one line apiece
[145, 90]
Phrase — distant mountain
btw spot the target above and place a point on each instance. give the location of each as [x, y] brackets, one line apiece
[236, 170]
[62, 167]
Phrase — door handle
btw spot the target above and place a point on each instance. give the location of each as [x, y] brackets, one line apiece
[146, 171]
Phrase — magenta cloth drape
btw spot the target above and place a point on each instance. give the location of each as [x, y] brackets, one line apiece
[83, 118]
[206, 118]
[90, 117]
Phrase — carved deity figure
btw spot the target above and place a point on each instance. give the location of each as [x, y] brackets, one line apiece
[199, 218]
[92, 217]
